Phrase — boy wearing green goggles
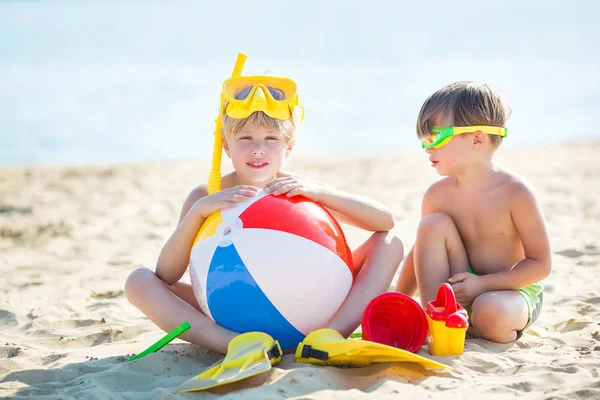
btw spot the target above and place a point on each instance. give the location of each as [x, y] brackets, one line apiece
[482, 229]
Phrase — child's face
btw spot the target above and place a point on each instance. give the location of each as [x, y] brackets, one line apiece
[451, 158]
[257, 154]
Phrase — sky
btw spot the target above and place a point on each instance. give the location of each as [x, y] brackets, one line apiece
[104, 81]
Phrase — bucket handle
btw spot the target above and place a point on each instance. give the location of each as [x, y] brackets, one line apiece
[445, 295]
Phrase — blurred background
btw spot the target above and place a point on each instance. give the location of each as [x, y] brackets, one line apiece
[103, 81]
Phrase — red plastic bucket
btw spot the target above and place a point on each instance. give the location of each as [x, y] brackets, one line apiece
[395, 319]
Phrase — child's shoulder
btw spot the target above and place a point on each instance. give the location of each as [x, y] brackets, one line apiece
[441, 186]
[516, 184]
[520, 192]
[434, 196]
[197, 193]
[522, 197]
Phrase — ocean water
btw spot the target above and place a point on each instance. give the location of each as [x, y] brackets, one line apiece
[103, 81]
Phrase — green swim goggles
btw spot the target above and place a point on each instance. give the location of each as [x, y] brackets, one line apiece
[442, 136]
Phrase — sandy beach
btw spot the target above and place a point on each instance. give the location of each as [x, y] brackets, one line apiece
[70, 235]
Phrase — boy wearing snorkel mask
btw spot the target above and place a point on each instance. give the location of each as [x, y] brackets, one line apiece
[259, 127]
[482, 229]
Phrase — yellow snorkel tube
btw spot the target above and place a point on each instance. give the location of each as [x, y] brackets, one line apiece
[214, 176]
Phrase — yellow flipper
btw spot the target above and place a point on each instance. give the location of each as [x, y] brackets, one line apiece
[328, 347]
[248, 354]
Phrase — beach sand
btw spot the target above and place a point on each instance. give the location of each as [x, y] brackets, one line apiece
[70, 235]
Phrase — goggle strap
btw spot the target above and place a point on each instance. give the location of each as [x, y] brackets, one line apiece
[490, 130]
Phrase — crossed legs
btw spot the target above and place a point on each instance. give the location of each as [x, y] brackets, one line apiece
[168, 306]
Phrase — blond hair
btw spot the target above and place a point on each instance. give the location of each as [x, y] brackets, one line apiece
[286, 128]
[464, 104]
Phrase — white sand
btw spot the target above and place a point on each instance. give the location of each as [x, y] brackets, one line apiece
[69, 236]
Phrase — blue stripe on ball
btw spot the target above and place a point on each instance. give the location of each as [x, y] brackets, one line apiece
[230, 286]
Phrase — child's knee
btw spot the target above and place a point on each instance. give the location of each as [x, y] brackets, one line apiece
[434, 222]
[396, 246]
[392, 244]
[491, 319]
[137, 281]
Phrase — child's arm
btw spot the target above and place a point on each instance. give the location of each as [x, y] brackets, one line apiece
[175, 254]
[529, 222]
[356, 210]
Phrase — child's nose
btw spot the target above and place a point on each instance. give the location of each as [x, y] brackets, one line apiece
[258, 150]
[429, 151]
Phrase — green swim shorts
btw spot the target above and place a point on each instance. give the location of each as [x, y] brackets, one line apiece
[533, 296]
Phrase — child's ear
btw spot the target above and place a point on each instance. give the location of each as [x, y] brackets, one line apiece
[226, 148]
[288, 151]
[479, 139]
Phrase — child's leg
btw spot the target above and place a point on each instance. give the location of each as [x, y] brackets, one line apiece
[377, 259]
[439, 253]
[168, 306]
[497, 316]
[407, 281]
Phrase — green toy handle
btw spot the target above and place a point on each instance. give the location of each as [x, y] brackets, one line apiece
[163, 341]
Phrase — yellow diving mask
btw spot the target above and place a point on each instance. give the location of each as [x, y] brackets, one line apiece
[442, 136]
[276, 97]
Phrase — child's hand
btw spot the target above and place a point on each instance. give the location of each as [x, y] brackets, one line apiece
[226, 198]
[466, 287]
[293, 186]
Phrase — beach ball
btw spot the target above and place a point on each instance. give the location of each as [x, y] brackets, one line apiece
[273, 264]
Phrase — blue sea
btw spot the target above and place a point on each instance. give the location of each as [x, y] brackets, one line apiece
[104, 81]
